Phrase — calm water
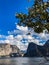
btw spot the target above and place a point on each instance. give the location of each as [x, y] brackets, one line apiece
[23, 61]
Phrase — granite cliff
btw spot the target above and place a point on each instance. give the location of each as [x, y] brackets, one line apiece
[35, 50]
[7, 49]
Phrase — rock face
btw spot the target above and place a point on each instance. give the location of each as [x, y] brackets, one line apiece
[47, 48]
[47, 44]
[6, 49]
[14, 48]
[36, 50]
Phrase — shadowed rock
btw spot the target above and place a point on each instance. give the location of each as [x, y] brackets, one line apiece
[35, 50]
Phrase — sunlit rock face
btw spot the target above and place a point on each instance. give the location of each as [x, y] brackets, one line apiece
[35, 50]
[6, 49]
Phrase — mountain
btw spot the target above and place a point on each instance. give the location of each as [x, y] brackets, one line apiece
[47, 44]
[47, 47]
[35, 50]
[7, 49]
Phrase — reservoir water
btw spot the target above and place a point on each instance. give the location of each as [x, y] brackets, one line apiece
[23, 61]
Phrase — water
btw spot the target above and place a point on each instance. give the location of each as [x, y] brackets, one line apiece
[23, 61]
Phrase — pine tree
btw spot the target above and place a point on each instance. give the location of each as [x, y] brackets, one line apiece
[37, 17]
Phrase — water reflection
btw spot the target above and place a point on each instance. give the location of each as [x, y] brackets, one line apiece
[23, 61]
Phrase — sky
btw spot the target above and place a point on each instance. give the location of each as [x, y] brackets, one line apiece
[8, 9]
[12, 33]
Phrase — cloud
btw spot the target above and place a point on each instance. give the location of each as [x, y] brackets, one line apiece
[19, 30]
[18, 37]
[41, 36]
[1, 41]
[15, 40]
[44, 35]
[10, 37]
[6, 41]
[22, 28]
[21, 38]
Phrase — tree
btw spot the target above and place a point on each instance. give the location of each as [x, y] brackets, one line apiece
[37, 17]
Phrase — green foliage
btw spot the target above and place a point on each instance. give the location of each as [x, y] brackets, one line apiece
[36, 17]
[47, 26]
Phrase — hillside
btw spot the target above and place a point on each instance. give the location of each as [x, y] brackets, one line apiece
[7, 49]
[37, 50]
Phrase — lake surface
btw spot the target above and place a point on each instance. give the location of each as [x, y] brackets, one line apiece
[23, 61]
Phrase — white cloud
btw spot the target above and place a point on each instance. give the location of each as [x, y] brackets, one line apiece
[16, 40]
[36, 41]
[22, 28]
[18, 37]
[22, 46]
[6, 41]
[44, 35]
[21, 32]
[10, 37]
[1, 41]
